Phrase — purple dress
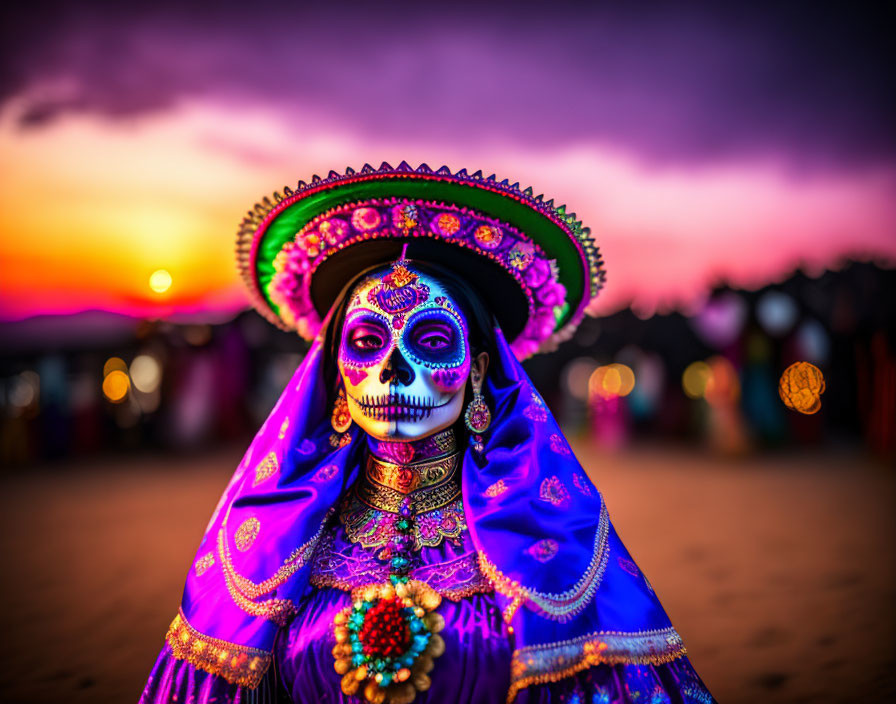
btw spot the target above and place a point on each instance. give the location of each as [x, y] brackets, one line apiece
[476, 664]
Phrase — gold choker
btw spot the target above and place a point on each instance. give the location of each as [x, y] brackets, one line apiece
[406, 478]
[428, 485]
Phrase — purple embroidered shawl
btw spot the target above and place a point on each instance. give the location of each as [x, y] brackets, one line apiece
[540, 526]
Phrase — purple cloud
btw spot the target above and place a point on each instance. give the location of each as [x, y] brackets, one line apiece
[806, 83]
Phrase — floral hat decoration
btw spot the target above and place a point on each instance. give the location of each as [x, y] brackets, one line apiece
[535, 266]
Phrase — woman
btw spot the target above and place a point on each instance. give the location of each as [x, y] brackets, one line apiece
[409, 524]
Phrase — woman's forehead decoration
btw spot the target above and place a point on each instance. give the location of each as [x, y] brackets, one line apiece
[398, 292]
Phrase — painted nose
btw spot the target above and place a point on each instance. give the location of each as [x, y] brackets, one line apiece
[397, 370]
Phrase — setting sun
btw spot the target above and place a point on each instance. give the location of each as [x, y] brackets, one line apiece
[160, 281]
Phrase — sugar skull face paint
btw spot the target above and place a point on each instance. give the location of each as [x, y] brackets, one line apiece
[404, 355]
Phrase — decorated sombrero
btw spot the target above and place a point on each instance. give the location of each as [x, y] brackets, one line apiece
[535, 266]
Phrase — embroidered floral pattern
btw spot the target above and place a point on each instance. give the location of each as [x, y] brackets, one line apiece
[353, 566]
[203, 563]
[628, 566]
[496, 489]
[558, 444]
[266, 469]
[544, 550]
[246, 534]
[326, 473]
[446, 224]
[535, 411]
[583, 484]
[339, 440]
[284, 426]
[553, 491]
[374, 528]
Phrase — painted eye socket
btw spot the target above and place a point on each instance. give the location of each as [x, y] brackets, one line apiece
[366, 337]
[433, 335]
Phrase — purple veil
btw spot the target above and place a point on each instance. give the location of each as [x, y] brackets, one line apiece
[568, 587]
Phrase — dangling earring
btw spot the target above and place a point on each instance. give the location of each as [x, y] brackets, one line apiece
[478, 415]
[340, 419]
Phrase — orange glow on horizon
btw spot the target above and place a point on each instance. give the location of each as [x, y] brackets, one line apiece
[95, 206]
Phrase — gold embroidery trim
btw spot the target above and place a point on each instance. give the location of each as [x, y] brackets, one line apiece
[551, 662]
[244, 591]
[558, 607]
[238, 664]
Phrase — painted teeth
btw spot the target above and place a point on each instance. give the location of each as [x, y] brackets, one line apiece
[396, 406]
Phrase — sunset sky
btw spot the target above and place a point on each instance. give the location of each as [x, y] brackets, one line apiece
[699, 145]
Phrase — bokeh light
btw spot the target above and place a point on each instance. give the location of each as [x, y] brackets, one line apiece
[114, 364]
[723, 384]
[721, 319]
[612, 381]
[146, 373]
[24, 390]
[576, 375]
[695, 378]
[715, 380]
[116, 385]
[198, 335]
[777, 312]
[160, 280]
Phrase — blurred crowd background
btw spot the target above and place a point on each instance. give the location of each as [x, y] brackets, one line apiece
[736, 163]
[98, 382]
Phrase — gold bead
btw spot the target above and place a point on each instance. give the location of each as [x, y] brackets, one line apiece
[436, 646]
[372, 692]
[422, 682]
[402, 694]
[434, 622]
[349, 683]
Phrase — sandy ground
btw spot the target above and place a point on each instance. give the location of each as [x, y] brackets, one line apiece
[779, 572]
